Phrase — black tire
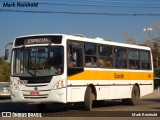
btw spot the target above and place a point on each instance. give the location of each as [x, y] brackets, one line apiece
[88, 100]
[134, 100]
[42, 107]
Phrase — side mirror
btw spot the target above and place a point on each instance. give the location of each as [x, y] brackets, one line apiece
[6, 54]
[7, 51]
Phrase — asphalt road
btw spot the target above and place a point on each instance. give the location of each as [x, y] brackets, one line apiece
[149, 105]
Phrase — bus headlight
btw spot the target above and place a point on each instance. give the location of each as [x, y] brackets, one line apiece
[59, 84]
[14, 86]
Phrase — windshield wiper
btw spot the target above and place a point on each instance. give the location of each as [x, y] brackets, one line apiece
[30, 73]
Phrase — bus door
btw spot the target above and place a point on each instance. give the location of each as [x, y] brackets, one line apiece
[75, 67]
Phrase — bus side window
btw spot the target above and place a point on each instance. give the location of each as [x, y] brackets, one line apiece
[71, 56]
[134, 59]
[74, 56]
[90, 55]
[91, 61]
[105, 56]
[120, 57]
[145, 60]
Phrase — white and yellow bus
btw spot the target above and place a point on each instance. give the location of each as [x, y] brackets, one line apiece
[59, 68]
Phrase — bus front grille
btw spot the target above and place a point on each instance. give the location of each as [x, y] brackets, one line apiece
[35, 97]
[29, 97]
[38, 94]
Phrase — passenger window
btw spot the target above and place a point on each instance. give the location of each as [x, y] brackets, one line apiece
[120, 55]
[90, 49]
[105, 56]
[90, 55]
[145, 60]
[134, 59]
[91, 61]
[74, 56]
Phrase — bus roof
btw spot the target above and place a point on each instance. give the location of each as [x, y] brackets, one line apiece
[79, 37]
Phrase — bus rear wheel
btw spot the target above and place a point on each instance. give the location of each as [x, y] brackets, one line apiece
[134, 100]
[88, 100]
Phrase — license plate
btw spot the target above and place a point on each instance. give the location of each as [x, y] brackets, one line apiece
[34, 93]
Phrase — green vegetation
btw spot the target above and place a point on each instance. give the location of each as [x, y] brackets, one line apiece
[4, 70]
[152, 41]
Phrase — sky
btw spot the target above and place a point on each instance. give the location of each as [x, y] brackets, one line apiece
[109, 27]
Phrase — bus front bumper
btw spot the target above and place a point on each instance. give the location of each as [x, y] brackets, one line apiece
[54, 96]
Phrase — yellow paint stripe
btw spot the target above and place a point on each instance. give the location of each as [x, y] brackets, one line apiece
[111, 75]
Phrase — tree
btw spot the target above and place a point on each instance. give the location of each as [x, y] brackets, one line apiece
[154, 44]
[153, 41]
[129, 39]
[4, 70]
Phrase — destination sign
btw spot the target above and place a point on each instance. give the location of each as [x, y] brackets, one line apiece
[57, 39]
[37, 40]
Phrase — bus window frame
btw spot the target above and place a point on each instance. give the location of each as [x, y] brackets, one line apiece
[92, 57]
[72, 70]
[98, 56]
[135, 60]
[121, 59]
[106, 57]
[149, 60]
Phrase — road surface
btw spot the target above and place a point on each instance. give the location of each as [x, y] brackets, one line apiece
[149, 106]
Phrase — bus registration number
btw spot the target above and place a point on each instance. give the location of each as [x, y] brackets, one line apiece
[34, 93]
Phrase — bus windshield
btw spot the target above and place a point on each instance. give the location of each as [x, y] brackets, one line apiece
[37, 61]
